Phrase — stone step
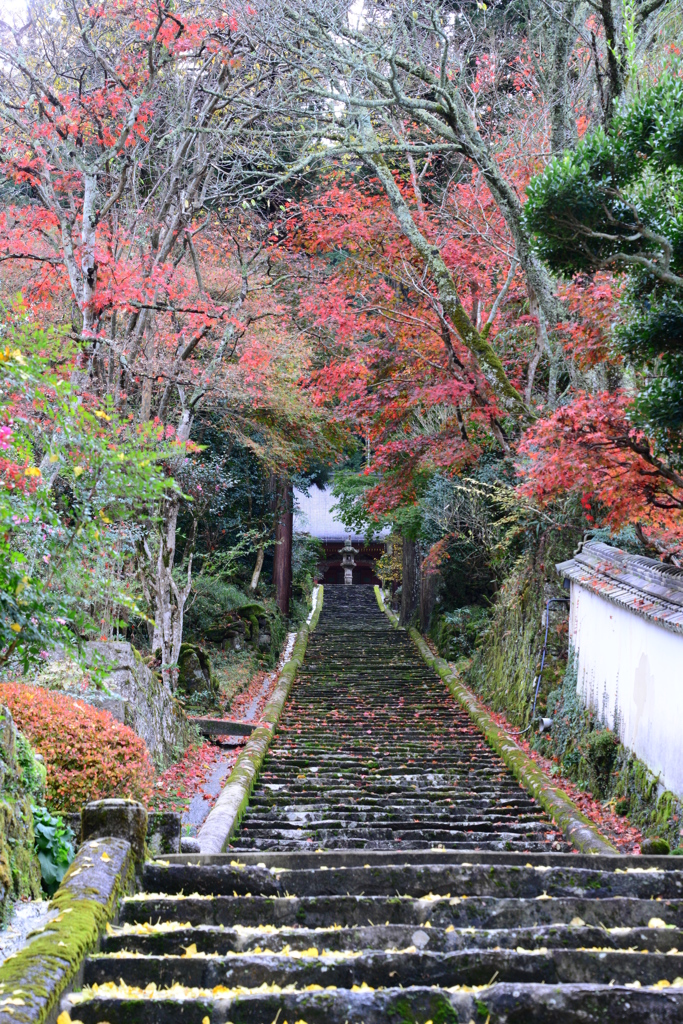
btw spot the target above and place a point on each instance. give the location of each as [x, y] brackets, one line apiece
[511, 1003]
[174, 938]
[299, 819]
[479, 912]
[376, 968]
[421, 843]
[414, 880]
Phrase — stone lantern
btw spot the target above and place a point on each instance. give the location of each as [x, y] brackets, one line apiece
[348, 563]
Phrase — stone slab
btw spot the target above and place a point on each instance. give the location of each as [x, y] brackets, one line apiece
[222, 727]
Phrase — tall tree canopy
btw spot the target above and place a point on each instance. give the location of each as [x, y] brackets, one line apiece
[441, 240]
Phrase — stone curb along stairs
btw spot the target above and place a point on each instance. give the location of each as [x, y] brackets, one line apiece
[577, 828]
[215, 833]
[33, 980]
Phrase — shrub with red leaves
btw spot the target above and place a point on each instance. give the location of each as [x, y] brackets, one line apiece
[88, 754]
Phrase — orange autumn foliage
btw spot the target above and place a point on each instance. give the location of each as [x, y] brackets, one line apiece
[88, 754]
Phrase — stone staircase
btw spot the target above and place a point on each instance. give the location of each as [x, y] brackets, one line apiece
[389, 870]
[373, 753]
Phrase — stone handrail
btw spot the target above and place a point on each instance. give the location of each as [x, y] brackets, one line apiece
[33, 980]
[219, 826]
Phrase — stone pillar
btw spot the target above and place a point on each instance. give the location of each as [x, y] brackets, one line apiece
[123, 819]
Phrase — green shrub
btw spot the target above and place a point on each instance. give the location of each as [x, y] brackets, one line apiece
[457, 633]
[54, 846]
[211, 599]
[306, 553]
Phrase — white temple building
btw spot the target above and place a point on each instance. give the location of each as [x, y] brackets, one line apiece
[313, 514]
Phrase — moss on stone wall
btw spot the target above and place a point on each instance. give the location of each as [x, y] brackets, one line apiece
[22, 782]
[505, 665]
[458, 633]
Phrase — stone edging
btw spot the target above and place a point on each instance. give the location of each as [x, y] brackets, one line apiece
[226, 815]
[33, 980]
[577, 828]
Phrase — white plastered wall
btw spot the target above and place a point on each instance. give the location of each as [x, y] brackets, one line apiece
[630, 670]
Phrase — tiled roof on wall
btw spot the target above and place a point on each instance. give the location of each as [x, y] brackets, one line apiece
[645, 586]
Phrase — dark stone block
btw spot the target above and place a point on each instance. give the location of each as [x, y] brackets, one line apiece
[188, 844]
[73, 820]
[163, 833]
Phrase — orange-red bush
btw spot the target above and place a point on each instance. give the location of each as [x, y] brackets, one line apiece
[88, 754]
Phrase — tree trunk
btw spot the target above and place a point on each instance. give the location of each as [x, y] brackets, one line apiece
[411, 581]
[282, 562]
[562, 127]
[256, 575]
[539, 348]
[169, 598]
[163, 593]
[490, 363]
[428, 582]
